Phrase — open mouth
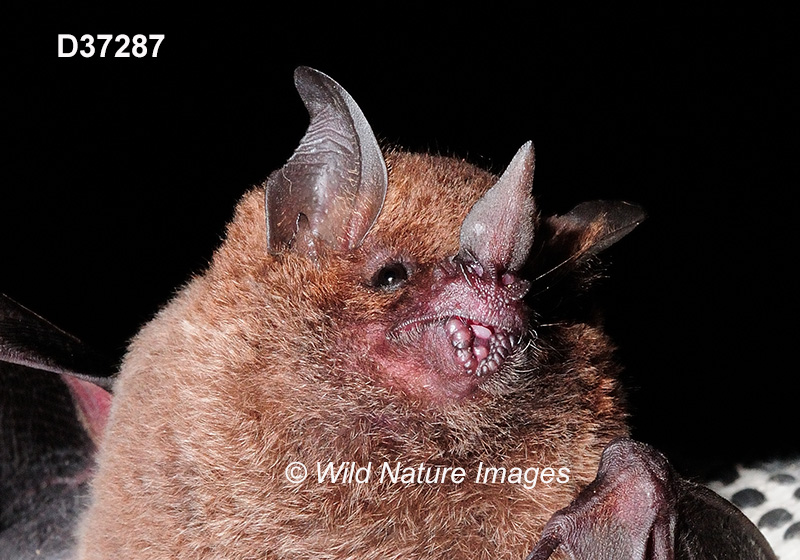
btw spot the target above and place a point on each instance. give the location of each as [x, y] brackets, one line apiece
[480, 349]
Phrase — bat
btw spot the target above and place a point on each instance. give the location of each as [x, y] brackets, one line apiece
[389, 355]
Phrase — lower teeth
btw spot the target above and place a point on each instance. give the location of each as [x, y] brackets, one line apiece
[495, 345]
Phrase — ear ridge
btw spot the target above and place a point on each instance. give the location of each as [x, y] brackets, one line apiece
[337, 176]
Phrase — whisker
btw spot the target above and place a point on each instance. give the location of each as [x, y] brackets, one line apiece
[465, 275]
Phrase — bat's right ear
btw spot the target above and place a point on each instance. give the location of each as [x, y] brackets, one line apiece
[28, 340]
[595, 226]
[332, 188]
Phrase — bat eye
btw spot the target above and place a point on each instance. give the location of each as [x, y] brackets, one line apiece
[390, 276]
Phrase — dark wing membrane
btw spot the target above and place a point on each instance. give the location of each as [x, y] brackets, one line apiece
[45, 461]
[29, 340]
[46, 453]
[711, 527]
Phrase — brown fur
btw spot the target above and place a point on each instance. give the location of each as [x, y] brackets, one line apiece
[264, 360]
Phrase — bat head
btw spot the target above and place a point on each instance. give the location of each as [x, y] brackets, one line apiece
[419, 262]
[432, 296]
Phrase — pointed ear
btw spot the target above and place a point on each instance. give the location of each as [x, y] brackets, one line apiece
[498, 231]
[336, 179]
[584, 231]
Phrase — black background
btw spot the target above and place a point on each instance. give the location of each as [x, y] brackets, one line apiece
[120, 173]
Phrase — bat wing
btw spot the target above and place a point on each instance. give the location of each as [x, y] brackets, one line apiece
[54, 398]
[638, 508]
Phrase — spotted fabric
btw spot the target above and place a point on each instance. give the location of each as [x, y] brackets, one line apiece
[769, 494]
